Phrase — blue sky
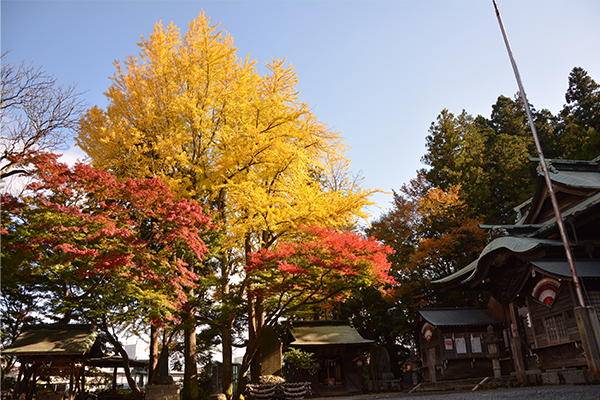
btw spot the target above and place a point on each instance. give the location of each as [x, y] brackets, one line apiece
[377, 72]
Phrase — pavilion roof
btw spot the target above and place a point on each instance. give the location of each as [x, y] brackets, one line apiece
[325, 333]
[56, 339]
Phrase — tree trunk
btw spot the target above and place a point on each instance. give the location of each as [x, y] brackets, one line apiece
[137, 393]
[226, 320]
[190, 373]
[256, 323]
[254, 372]
[226, 330]
[227, 338]
[256, 319]
[190, 377]
[153, 353]
[251, 349]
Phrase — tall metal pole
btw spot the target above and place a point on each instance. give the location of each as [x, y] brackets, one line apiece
[557, 213]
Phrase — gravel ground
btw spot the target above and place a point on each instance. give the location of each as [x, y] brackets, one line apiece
[558, 392]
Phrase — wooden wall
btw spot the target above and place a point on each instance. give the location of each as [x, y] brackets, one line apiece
[563, 306]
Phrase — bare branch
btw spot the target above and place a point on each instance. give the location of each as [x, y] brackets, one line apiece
[35, 113]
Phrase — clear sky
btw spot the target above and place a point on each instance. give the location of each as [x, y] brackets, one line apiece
[377, 72]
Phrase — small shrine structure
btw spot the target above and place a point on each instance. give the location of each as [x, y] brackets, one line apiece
[337, 347]
[53, 350]
[453, 342]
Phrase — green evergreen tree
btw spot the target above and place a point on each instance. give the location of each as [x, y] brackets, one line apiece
[579, 129]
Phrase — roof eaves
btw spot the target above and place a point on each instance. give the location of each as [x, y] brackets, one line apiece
[573, 211]
[518, 245]
[457, 274]
[448, 317]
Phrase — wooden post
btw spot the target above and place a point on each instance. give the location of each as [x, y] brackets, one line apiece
[32, 383]
[587, 322]
[19, 384]
[82, 382]
[431, 361]
[515, 346]
[114, 381]
[494, 354]
[71, 382]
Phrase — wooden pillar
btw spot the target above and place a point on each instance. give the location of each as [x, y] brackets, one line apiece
[431, 361]
[515, 345]
[71, 382]
[32, 383]
[82, 382]
[114, 381]
[19, 384]
[587, 322]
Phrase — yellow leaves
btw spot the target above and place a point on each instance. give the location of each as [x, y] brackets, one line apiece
[440, 204]
[190, 112]
[282, 81]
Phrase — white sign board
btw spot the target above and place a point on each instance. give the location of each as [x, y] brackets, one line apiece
[475, 344]
[448, 344]
[461, 345]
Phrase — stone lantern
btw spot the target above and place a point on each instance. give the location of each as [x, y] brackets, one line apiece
[414, 367]
[494, 352]
[164, 387]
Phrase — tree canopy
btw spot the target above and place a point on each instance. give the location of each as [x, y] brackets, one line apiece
[579, 125]
[188, 111]
[318, 269]
[90, 248]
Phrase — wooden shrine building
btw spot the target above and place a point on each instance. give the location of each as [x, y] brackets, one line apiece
[453, 342]
[337, 347]
[524, 268]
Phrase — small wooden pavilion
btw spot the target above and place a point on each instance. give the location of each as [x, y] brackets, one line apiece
[116, 362]
[337, 347]
[53, 350]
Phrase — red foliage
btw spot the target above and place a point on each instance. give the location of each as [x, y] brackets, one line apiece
[86, 220]
[322, 260]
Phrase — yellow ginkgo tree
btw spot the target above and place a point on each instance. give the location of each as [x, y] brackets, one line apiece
[189, 111]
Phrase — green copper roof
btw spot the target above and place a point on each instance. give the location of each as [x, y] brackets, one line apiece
[575, 179]
[517, 245]
[329, 334]
[574, 211]
[53, 340]
[460, 273]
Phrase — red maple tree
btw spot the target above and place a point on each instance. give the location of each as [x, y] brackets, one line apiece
[100, 250]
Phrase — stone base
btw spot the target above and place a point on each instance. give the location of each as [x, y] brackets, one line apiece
[162, 392]
[568, 377]
[576, 377]
[550, 378]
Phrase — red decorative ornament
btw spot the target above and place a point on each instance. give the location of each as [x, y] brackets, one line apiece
[546, 290]
[427, 331]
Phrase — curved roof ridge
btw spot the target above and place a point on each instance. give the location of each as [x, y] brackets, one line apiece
[518, 245]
